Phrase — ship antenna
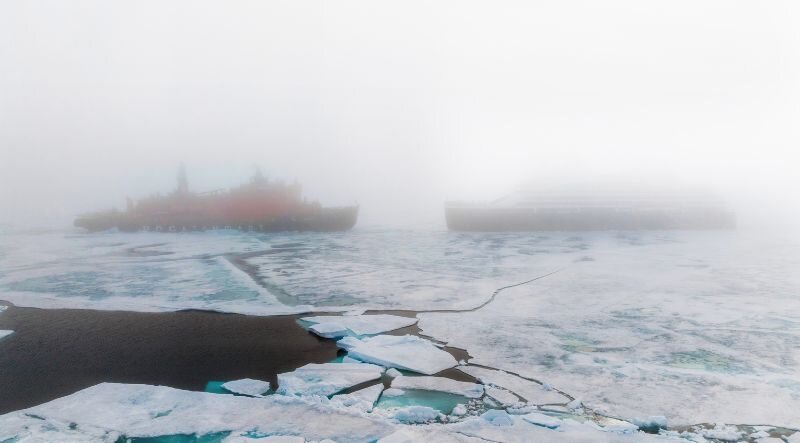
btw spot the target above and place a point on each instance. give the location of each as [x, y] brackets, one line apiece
[183, 182]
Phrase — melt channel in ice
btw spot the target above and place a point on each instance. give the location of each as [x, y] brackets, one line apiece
[335, 326]
[407, 352]
[326, 378]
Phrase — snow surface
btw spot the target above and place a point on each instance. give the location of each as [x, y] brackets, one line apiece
[247, 386]
[439, 384]
[331, 326]
[326, 378]
[403, 352]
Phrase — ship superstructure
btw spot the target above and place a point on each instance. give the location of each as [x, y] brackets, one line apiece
[599, 207]
[259, 205]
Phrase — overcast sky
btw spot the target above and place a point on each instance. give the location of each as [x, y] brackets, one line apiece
[399, 105]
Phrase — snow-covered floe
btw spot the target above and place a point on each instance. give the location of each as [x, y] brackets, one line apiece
[151, 411]
[331, 326]
[403, 352]
[439, 384]
[326, 378]
[247, 386]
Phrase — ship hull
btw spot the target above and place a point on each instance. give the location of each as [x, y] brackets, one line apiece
[324, 220]
[492, 219]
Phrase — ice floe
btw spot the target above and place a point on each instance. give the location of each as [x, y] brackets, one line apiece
[416, 414]
[363, 398]
[5, 333]
[540, 419]
[439, 384]
[152, 411]
[326, 378]
[392, 373]
[393, 392]
[407, 352]
[502, 396]
[331, 326]
[532, 392]
[717, 351]
[247, 386]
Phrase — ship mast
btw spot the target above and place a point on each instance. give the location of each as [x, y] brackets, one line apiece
[183, 182]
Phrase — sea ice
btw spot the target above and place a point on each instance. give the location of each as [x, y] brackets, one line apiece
[247, 386]
[333, 326]
[540, 419]
[459, 410]
[5, 333]
[403, 352]
[439, 384]
[498, 417]
[326, 378]
[363, 399]
[532, 392]
[393, 373]
[502, 396]
[152, 411]
[715, 352]
[416, 414]
[652, 423]
[267, 439]
[393, 392]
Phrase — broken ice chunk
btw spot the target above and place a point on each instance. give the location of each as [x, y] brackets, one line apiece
[459, 410]
[540, 419]
[332, 326]
[329, 330]
[268, 439]
[723, 432]
[531, 391]
[403, 352]
[393, 373]
[393, 392]
[439, 384]
[574, 405]
[652, 423]
[502, 396]
[247, 386]
[326, 378]
[416, 414]
[497, 417]
[363, 399]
